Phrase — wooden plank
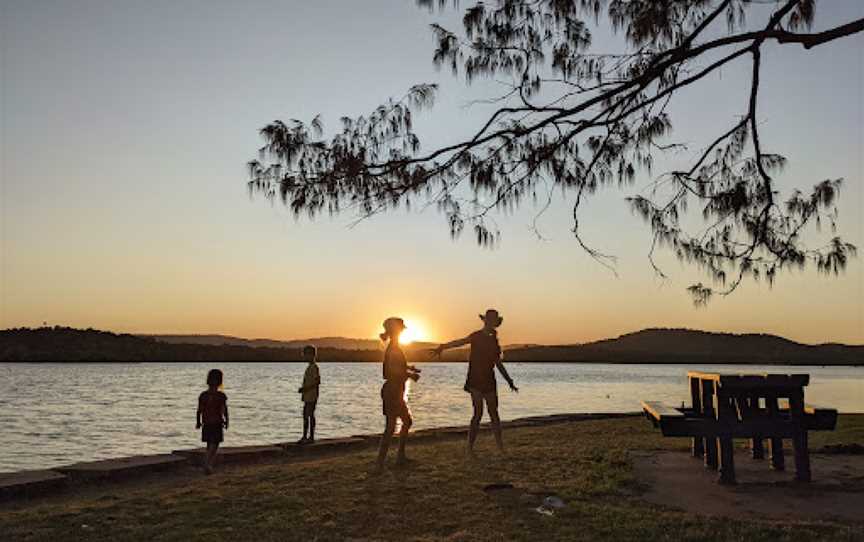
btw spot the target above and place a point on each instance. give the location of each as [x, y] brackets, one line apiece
[708, 412]
[753, 380]
[757, 448]
[698, 375]
[659, 410]
[816, 418]
[697, 445]
[726, 413]
[708, 429]
[786, 383]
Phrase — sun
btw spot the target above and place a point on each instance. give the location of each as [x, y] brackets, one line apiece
[415, 331]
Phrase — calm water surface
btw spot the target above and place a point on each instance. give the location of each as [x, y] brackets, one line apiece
[55, 414]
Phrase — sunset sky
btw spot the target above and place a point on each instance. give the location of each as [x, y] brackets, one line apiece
[126, 127]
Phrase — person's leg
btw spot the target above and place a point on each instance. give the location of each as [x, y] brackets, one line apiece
[477, 404]
[305, 424]
[492, 405]
[312, 421]
[386, 436]
[210, 457]
[207, 458]
[407, 421]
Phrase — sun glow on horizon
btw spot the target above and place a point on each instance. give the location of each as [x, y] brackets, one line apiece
[414, 331]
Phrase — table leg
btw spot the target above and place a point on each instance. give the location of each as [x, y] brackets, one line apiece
[726, 414]
[799, 438]
[756, 448]
[708, 411]
[775, 445]
[698, 445]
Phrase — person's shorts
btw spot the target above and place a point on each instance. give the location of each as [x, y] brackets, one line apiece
[211, 433]
[309, 408]
[393, 401]
[487, 394]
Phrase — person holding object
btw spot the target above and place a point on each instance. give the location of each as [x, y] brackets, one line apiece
[484, 357]
[396, 373]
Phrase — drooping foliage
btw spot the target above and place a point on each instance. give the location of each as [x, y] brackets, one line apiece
[580, 120]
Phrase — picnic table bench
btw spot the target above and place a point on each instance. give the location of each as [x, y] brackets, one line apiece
[753, 406]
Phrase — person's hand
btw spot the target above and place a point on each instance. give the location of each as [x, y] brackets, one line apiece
[198, 425]
[299, 390]
[436, 351]
[225, 424]
[513, 387]
[414, 376]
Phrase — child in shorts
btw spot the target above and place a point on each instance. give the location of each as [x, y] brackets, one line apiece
[212, 416]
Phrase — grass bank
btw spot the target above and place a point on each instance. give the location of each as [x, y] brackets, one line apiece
[438, 497]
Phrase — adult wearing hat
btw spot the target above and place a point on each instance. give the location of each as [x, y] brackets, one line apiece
[485, 356]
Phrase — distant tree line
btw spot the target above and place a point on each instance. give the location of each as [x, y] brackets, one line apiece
[69, 344]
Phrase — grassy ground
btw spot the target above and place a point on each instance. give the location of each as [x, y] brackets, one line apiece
[439, 497]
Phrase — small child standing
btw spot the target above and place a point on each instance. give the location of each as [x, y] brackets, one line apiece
[212, 416]
[309, 393]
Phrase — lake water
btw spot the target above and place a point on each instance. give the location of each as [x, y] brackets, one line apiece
[56, 414]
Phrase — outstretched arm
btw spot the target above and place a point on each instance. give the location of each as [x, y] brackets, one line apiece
[503, 371]
[452, 344]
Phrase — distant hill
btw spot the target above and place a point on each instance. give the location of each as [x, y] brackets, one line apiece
[691, 346]
[681, 346]
[341, 343]
[69, 344]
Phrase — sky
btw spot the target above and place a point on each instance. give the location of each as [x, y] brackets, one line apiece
[125, 128]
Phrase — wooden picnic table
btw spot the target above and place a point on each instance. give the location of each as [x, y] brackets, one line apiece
[754, 406]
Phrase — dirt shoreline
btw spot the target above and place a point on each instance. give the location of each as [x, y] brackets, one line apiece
[40, 482]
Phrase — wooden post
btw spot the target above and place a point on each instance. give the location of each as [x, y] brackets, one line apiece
[698, 445]
[799, 438]
[775, 445]
[726, 416]
[708, 411]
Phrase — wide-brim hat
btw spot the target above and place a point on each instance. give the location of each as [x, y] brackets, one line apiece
[492, 317]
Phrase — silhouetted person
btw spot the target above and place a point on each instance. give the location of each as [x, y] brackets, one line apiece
[396, 372]
[309, 393]
[212, 416]
[484, 357]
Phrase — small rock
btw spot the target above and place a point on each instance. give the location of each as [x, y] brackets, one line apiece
[553, 501]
